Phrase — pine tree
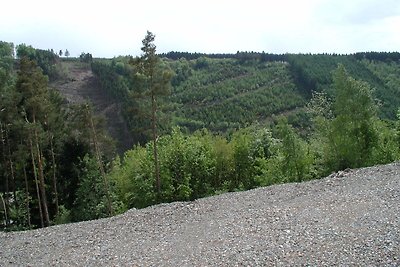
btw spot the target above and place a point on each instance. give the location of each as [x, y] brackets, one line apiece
[98, 154]
[8, 122]
[32, 85]
[156, 81]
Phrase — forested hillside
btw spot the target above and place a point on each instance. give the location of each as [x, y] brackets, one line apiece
[202, 125]
[225, 92]
[314, 73]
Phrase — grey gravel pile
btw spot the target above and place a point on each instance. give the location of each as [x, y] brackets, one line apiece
[350, 218]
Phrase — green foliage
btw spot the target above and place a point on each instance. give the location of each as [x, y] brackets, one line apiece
[389, 75]
[111, 77]
[388, 146]
[353, 133]
[338, 129]
[86, 57]
[134, 178]
[243, 160]
[6, 61]
[296, 160]
[226, 95]
[178, 155]
[45, 59]
[314, 73]
[218, 94]
[223, 92]
[41, 142]
[348, 133]
[202, 164]
[63, 216]
[182, 70]
[202, 63]
[187, 168]
[134, 82]
[19, 213]
[91, 197]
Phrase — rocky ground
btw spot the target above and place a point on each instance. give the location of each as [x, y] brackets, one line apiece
[347, 219]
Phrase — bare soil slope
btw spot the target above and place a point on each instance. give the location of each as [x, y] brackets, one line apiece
[79, 86]
[347, 219]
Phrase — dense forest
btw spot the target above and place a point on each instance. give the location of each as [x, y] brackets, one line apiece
[202, 124]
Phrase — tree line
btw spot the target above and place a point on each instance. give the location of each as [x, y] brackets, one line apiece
[264, 57]
[241, 55]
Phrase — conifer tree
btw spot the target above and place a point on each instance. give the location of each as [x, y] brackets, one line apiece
[32, 85]
[8, 120]
[156, 81]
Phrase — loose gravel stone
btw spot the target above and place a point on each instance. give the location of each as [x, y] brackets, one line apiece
[351, 218]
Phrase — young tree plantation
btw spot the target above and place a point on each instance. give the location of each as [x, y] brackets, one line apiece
[201, 124]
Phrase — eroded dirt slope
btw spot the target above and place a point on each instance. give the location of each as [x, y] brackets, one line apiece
[79, 86]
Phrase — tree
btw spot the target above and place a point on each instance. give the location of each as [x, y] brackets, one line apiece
[45, 59]
[92, 198]
[60, 53]
[98, 153]
[155, 80]
[351, 134]
[296, 161]
[32, 85]
[86, 57]
[66, 53]
[8, 113]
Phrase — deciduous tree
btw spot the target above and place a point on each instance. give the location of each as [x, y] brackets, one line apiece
[350, 134]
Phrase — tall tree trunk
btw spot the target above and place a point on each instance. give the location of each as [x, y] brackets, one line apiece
[12, 171]
[42, 183]
[35, 174]
[5, 210]
[155, 148]
[100, 164]
[6, 202]
[55, 192]
[28, 211]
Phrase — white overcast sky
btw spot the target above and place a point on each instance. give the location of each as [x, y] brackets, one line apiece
[112, 28]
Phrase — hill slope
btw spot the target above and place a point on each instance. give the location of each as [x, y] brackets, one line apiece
[350, 218]
[224, 94]
[79, 86]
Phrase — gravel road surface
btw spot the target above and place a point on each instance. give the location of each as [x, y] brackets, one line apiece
[350, 218]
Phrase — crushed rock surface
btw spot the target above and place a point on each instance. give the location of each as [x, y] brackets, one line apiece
[350, 218]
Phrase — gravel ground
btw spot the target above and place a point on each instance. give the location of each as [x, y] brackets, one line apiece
[347, 219]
